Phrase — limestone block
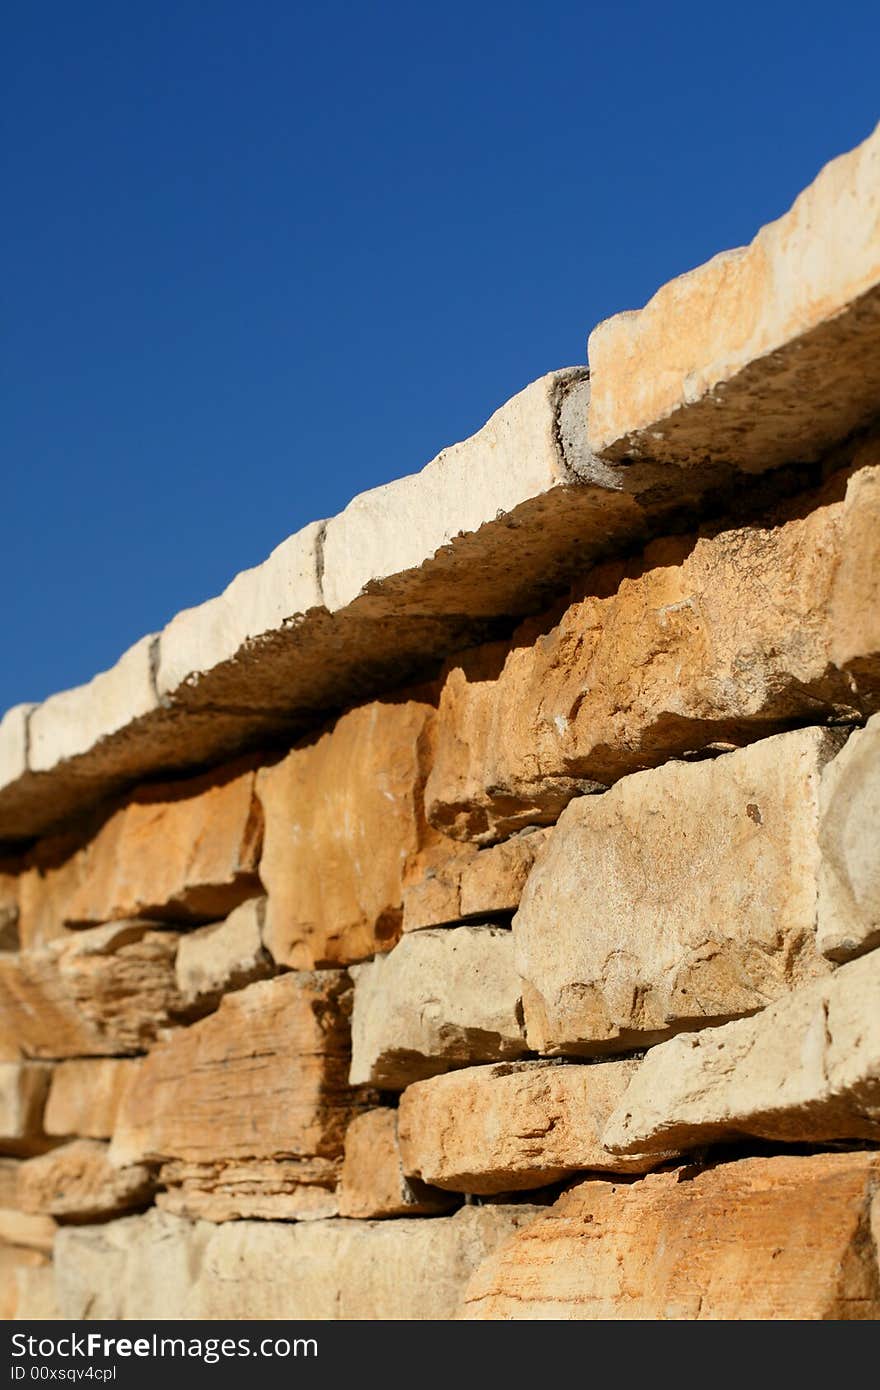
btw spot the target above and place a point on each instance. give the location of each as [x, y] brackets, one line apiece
[30, 1230]
[10, 884]
[441, 999]
[806, 1069]
[85, 1094]
[472, 883]
[344, 827]
[259, 603]
[849, 835]
[14, 743]
[263, 1077]
[685, 894]
[179, 851]
[158, 1266]
[25, 1284]
[92, 993]
[23, 1088]
[51, 875]
[224, 956]
[513, 1126]
[373, 1184]
[77, 1181]
[695, 643]
[9, 1181]
[72, 722]
[762, 1238]
[764, 354]
[273, 1189]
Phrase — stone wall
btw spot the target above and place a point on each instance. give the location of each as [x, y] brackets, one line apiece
[474, 910]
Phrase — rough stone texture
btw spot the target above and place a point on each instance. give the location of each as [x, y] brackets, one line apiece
[684, 895]
[92, 993]
[440, 1000]
[23, 1088]
[806, 1069]
[762, 1238]
[225, 956]
[13, 744]
[722, 639]
[472, 883]
[26, 1285]
[78, 1182]
[32, 1232]
[764, 354]
[344, 826]
[184, 851]
[9, 1181]
[513, 1126]
[72, 722]
[849, 836]
[263, 1077]
[51, 875]
[281, 1189]
[373, 1184]
[157, 1266]
[10, 880]
[85, 1094]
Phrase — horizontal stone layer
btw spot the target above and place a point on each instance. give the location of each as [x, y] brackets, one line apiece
[763, 354]
[158, 1266]
[77, 1182]
[273, 1189]
[85, 1094]
[372, 1184]
[223, 956]
[762, 1238]
[805, 1070]
[709, 641]
[849, 835]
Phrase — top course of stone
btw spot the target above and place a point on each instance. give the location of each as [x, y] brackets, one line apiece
[766, 356]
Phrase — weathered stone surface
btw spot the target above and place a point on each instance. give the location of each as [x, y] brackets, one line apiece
[280, 1189]
[472, 883]
[77, 1181]
[72, 722]
[344, 826]
[763, 1238]
[440, 1000]
[51, 875]
[10, 880]
[849, 836]
[263, 1077]
[30, 1230]
[13, 744]
[684, 895]
[766, 353]
[373, 1184]
[93, 993]
[9, 1181]
[513, 1126]
[85, 1094]
[23, 1088]
[184, 851]
[26, 1284]
[805, 1069]
[223, 957]
[722, 639]
[157, 1266]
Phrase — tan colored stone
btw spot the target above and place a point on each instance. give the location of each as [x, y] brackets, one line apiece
[158, 1266]
[441, 999]
[263, 1077]
[183, 851]
[10, 878]
[849, 835]
[77, 1181]
[92, 993]
[684, 895]
[273, 1189]
[18, 1295]
[31, 1230]
[472, 883]
[33, 1294]
[85, 1094]
[718, 640]
[9, 1181]
[373, 1184]
[51, 876]
[13, 744]
[23, 1088]
[765, 354]
[344, 826]
[223, 957]
[72, 722]
[513, 1126]
[806, 1069]
[763, 1238]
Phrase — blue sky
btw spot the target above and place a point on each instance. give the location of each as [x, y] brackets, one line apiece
[260, 257]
